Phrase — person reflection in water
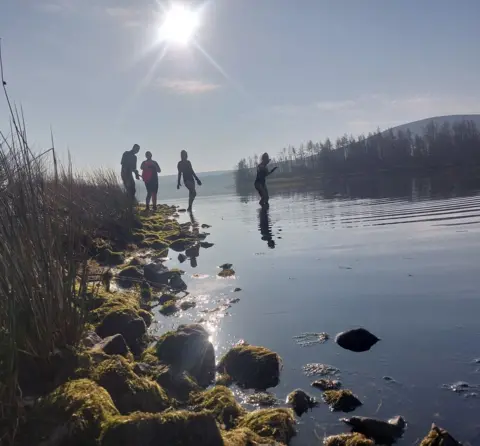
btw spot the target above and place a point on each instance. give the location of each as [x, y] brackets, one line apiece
[193, 252]
[265, 227]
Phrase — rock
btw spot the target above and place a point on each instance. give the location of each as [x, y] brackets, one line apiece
[129, 392]
[383, 432]
[90, 339]
[262, 399]
[137, 261]
[182, 210]
[164, 298]
[221, 402]
[193, 251]
[188, 349]
[226, 273]
[356, 340]
[130, 275]
[252, 367]
[320, 369]
[73, 414]
[234, 301]
[184, 306]
[113, 345]
[460, 387]
[439, 437]
[182, 244]
[236, 290]
[206, 245]
[132, 328]
[205, 226]
[156, 273]
[327, 384]
[170, 428]
[354, 439]
[276, 424]
[182, 258]
[301, 402]
[108, 257]
[245, 437]
[169, 308]
[177, 385]
[177, 283]
[226, 266]
[341, 400]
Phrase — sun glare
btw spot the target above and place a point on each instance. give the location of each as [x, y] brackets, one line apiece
[179, 25]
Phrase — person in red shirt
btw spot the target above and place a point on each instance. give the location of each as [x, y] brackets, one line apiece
[150, 170]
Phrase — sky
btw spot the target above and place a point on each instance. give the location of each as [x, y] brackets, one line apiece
[260, 75]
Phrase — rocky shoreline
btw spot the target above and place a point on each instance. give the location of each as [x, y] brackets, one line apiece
[122, 386]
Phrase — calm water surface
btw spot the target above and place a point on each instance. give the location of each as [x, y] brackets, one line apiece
[407, 270]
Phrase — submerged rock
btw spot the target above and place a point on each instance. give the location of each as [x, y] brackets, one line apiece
[113, 345]
[251, 367]
[341, 400]
[275, 424]
[262, 399]
[236, 290]
[301, 402]
[170, 428]
[184, 306]
[327, 384]
[169, 308]
[357, 340]
[383, 432]
[129, 391]
[315, 369]
[354, 439]
[188, 349]
[439, 437]
[205, 226]
[221, 402]
[309, 339]
[460, 387]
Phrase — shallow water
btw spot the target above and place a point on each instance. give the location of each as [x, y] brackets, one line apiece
[407, 270]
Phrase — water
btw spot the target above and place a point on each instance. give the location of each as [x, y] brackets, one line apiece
[406, 269]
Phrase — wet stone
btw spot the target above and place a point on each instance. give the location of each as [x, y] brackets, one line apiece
[327, 384]
[383, 432]
[301, 402]
[262, 399]
[341, 400]
[356, 340]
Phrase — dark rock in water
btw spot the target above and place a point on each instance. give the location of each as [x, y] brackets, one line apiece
[146, 316]
[156, 273]
[341, 400]
[226, 273]
[187, 305]
[188, 349]
[129, 275]
[383, 432]
[262, 399]
[234, 301]
[182, 244]
[206, 245]
[251, 367]
[164, 298]
[301, 402]
[460, 387]
[169, 308]
[169, 428]
[177, 283]
[177, 385]
[129, 325]
[357, 340]
[181, 210]
[136, 261]
[182, 258]
[226, 266]
[205, 226]
[114, 345]
[354, 439]
[327, 384]
[236, 290]
[439, 437]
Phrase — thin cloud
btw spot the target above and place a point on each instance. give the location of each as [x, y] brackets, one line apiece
[187, 86]
[335, 105]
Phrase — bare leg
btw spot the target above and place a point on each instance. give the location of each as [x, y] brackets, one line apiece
[192, 193]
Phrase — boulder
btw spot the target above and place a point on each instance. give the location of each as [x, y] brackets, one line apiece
[341, 400]
[108, 257]
[156, 273]
[171, 428]
[357, 340]
[300, 401]
[90, 339]
[128, 324]
[354, 439]
[439, 437]
[182, 258]
[177, 283]
[130, 275]
[113, 345]
[382, 432]
[251, 366]
[188, 349]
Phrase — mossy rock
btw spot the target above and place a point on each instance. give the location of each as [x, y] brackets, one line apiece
[130, 275]
[341, 400]
[109, 257]
[300, 401]
[274, 424]
[188, 349]
[146, 316]
[129, 391]
[221, 402]
[187, 305]
[439, 437]
[243, 437]
[169, 308]
[251, 366]
[181, 244]
[226, 273]
[72, 415]
[172, 428]
[223, 380]
[354, 439]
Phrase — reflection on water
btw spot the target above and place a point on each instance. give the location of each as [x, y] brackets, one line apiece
[400, 261]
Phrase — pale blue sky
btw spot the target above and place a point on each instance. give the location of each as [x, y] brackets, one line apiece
[293, 70]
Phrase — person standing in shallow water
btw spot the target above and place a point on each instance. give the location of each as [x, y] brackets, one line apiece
[260, 180]
[129, 168]
[150, 170]
[189, 177]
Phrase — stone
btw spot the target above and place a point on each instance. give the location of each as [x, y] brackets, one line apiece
[156, 274]
[383, 432]
[341, 400]
[357, 340]
[327, 384]
[113, 345]
[300, 401]
[130, 275]
[439, 437]
[129, 325]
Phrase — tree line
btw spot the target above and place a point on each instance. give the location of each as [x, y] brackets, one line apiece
[439, 146]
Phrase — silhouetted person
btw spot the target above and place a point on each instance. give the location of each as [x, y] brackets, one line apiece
[150, 170]
[265, 227]
[260, 180]
[129, 167]
[189, 177]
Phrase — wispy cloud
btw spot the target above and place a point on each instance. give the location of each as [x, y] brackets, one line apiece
[186, 86]
[335, 105]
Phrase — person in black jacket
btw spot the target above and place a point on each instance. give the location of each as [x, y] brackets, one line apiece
[189, 177]
[129, 167]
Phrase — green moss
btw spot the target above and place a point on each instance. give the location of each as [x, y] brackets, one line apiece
[145, 291]
[242, 437]
[223, 380]
[341, 400]
[275, 424]
[149, 357]
[81, 406]
[354, 439]
[169, 308]
[129, 391]
[439, 437]
[251, 366]
[125, 303]
[221, 402]
[172, 428]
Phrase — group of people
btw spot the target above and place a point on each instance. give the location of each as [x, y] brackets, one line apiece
[150, 170]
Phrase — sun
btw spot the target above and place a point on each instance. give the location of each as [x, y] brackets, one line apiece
[179, 24]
